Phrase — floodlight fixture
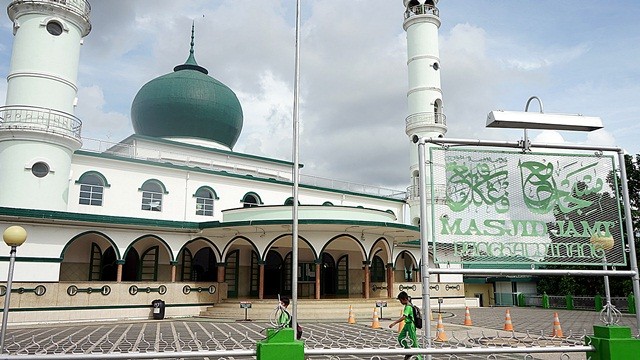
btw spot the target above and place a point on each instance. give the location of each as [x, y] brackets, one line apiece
[541, 121]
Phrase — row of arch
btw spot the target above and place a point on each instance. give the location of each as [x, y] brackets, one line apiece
[221, 254]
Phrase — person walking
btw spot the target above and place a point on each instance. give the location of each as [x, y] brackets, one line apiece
[407, 337]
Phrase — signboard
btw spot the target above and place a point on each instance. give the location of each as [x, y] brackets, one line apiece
[524, 208]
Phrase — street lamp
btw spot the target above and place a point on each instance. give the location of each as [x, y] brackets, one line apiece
[13, 236]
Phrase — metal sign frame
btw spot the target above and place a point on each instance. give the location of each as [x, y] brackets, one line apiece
[425, 240]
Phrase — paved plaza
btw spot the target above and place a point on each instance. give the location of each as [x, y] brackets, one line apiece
[532, 327]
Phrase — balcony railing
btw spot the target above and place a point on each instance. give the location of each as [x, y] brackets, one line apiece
[423, 9]
[426, 118]
[440, 193]
[39, 119]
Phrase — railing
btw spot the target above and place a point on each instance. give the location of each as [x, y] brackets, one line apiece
[39, 118]
[426, 117]
[583, 302]
[440, 192]
[80, 7]
[207, 163]
[421, 10]
[570, 302]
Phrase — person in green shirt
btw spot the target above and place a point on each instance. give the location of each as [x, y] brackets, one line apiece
[409, 329]
[284, 320]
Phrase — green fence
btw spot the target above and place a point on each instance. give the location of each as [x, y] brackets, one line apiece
[570, 302]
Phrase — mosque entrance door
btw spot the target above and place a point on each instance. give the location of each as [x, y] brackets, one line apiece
[273, 274]
[328, 275]
[342, 267]
[231, 273]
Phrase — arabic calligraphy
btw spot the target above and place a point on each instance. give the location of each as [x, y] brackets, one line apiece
[544, 186]
[478, 182]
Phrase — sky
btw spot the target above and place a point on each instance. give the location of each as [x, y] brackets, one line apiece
[577, 56]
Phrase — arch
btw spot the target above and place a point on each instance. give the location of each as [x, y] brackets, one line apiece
[356, 241]
[88, 176]
[203, 239]
[155, 237]
[413, 258]
[270, 244]
[327, 203]
[251, 199]
[384, 246]
[237, 238]
[105, 237]
[289, 201]
[153, 185]
[208, 189]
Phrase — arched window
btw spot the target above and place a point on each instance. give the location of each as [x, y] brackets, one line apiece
[251, 199]
[152, 192]
[205, 197]
[289, 201]
[377, 269]
[92, 186]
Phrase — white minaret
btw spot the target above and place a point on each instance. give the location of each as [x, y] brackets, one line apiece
[424, 97]
[38, 133]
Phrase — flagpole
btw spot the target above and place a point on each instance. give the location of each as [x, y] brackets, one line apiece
[296, 175]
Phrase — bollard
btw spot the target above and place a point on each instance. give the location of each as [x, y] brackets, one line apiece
[613, 343]
[280, 344]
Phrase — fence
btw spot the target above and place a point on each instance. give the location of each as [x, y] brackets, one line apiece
[570, 302]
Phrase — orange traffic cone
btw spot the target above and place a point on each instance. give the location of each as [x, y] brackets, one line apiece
[440, 334]
[557, 330]
[401, 323]
[376, 322]
[508, 326]
[467, 318]
[352, 319]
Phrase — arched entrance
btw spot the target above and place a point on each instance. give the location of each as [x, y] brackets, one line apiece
[89, 256]
[328, 274]
[273, 270]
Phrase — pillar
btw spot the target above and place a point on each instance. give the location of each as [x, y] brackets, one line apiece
[390, 282]
[261, 281]
[174, 267]
[119, 264]
[317, 290]
[221, 267]
[367, 278]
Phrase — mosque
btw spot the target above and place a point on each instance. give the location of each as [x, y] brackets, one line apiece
[172, 211]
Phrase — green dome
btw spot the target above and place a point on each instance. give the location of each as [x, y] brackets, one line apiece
[188, 103]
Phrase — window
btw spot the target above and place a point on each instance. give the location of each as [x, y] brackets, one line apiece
[92, 185]
[289, 202]
[251, 199]
[40, 169]
[205, 197]
[152, 191]
[377, 270]
[54, 28]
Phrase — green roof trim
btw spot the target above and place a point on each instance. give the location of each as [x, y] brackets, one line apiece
[102, 219]
[224, 173]
[216, 224]
[208, 188]
[164, 189]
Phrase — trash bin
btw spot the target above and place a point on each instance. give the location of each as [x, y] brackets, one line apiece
[158, 309]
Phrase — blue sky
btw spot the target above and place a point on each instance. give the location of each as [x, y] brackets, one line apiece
[577, 56]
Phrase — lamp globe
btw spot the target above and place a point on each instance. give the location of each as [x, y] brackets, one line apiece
[14, 235]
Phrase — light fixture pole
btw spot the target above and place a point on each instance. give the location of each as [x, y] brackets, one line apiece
[13, 236]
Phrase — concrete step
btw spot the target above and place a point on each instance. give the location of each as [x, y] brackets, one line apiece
[327, 309]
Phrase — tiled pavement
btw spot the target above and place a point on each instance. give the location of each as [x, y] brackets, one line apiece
[207, 334]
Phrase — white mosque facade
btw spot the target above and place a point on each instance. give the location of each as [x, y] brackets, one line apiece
[172, 211]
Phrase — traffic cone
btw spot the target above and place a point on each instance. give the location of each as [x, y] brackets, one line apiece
[440, 334]
[508, 326]
[352, 319]
[557, 330]
[376, 322]
[467, 318]
[401, 323]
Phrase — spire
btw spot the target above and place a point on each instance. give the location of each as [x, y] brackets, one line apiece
[191, 63]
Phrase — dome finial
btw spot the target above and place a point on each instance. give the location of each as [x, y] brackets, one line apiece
[193, 27]
[191, 63]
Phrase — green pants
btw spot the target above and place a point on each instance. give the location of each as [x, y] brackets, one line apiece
[409, 330]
